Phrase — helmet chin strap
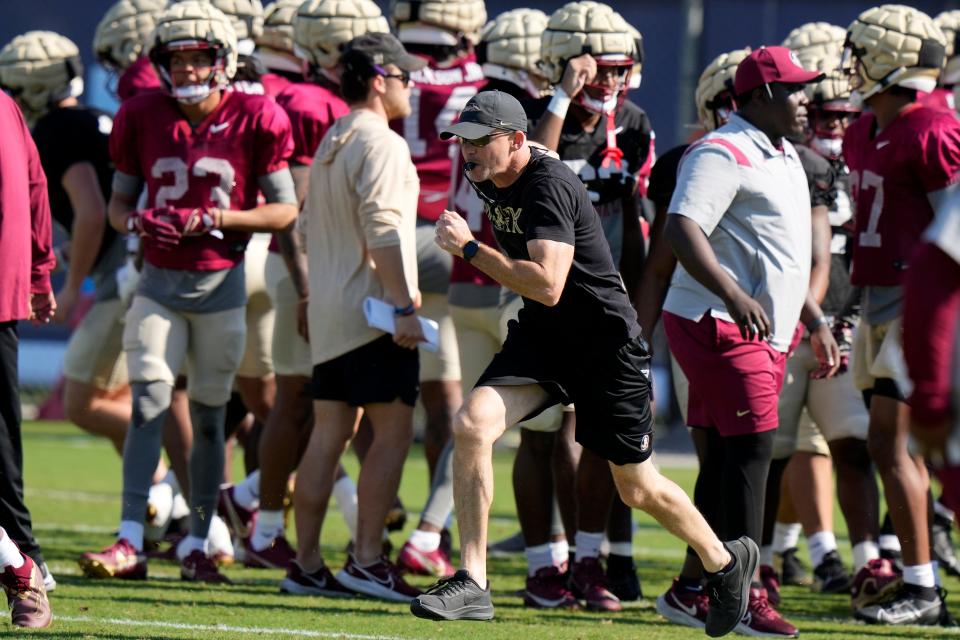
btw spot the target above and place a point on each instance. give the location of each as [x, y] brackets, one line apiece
[612, 154]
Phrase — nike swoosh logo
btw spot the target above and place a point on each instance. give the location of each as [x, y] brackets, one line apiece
[740, 414]
[882, 144]
[217, 128]
[690, 611]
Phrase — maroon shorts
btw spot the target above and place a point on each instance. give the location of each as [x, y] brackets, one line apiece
[734, 383]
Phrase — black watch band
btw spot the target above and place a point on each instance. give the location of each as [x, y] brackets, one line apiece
[470, 250]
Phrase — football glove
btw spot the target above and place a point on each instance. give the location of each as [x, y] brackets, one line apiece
[156, 227]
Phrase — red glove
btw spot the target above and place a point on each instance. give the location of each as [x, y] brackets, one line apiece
[156, 227]
[202, 221]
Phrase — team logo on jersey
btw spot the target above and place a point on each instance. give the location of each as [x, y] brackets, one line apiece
[645, 443]
[505, 219]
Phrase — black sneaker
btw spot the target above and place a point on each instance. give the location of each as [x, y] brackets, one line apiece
[456, 598]
[908, 607]
[509, 546]
[729, 591]
[946, 619]
[623, 579]
[792, 571]
[830, 576]
[319, 583]
[941, 544]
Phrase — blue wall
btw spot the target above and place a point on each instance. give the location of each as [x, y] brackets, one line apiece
[728, 24]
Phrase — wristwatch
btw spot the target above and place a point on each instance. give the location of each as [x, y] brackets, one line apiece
[470, 249]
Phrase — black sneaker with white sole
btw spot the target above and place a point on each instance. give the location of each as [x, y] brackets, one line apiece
[317, 583]
[458, 597]
[830, 576]
[908, 607]
[729, 591]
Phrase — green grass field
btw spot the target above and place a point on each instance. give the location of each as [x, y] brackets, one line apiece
[73, 492]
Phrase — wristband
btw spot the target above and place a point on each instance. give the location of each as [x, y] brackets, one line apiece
[408, 310]
[816, 324]
[559, 103]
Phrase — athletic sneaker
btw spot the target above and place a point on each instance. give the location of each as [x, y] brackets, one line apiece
[623, 579]
[380, 580]
[729, 591]
[26, 595]
[199, 567]
[771, 582]
[683, 606]
[458, 597]
[830, 576]
[239, 519]
[907, 607]
[319, 583]
[507, 546]
[876, 581]
[589, 582]
[424, 563]
[49, 582]
[119, 560]
[941, 543]
[547, 589]
[792, 570]
[762, 620]
[278, 555]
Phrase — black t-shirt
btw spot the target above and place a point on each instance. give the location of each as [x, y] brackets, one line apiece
[663, 177]
[548, 202]
[65, 137]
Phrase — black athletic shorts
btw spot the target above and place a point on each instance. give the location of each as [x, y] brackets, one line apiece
[379, 371]
[609, 386]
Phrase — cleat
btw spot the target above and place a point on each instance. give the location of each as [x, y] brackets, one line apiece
[547, 589]
[589, 582]
[380, 580]
[878, 580]
[907, 607]
[623, 579]
[26, 595]
[792, 571]
[941, 544]
[239, 519]
[458, 597]
[319, 583]
[830, 576]
[49, 582]
[763, 621]
[771, 582]
[729, 591]
[424, 563]
[278, 555]
[119, 560]
[683, 606]
[199, 567]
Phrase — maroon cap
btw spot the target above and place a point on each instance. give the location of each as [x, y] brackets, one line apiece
[771, 64]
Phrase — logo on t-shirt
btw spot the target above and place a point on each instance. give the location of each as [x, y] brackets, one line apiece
[645, 443]
[504, 219]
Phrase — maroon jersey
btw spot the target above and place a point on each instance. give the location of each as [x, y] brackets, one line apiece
[436, 98]
[891, 173]
[940, 99]
[467, 203]
[273, 84]
[216, 164]
[140, 77]
[312, 109]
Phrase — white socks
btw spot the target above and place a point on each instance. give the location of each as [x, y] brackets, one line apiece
[10, 555]
[864, 552]
[920, 575]
[132, 532]
[560, 552]
[889, 542]
[190, 544]
[345, 493]
[588, 544]
[786, 535]
[247, 493]
[820, 544]
[766, 556]
[621, 549]
[425, 541]
[268, 527]
[538, 557]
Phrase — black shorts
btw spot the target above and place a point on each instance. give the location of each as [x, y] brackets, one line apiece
[379, 371]
[609, 386]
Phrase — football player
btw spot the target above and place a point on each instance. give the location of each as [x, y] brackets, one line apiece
[444, 33]
[605, 139]
[902, 158]
[120, 45]
[275, 48]
[204, 154]
[943, 96]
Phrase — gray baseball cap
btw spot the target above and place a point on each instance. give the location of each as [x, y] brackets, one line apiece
[486, 112]
[384, 48]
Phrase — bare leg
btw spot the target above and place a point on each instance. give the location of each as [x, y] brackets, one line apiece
[292, 415]
[441, 399]
[96, 411]
[258, 394]
[857, 489]
[533, 485]
[810, 477]
[566, 458]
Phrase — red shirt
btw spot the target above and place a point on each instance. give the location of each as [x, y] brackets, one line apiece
[311, 109]
[436, 98]
[940, 99]
[140, 77]
[217, 164]
[891, 174]
[26, 242]
[273, 84]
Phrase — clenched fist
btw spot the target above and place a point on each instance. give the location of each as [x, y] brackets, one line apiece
[452, 233]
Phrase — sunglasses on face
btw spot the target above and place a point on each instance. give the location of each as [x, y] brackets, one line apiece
[403, 77]
[483, 141]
